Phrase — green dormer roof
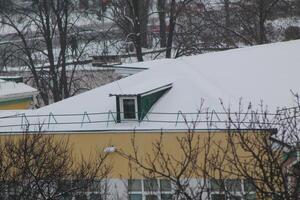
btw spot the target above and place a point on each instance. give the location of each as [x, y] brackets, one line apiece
[144, 101]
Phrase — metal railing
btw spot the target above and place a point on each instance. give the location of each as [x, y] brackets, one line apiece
[208, 118]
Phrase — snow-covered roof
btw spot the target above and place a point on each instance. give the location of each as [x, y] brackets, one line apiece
[10, 89]
[144, 87]
[266, 73]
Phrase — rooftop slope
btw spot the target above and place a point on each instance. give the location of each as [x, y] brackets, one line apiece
[10, 89]
[265, 73]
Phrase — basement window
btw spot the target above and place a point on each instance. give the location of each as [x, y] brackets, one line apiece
[128, 108]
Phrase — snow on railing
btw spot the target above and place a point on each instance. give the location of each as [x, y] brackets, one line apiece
[177, 119]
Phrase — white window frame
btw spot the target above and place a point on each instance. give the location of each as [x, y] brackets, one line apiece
[122, 108]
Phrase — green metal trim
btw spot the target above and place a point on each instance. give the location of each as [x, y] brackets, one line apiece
[139, 107]
[118, 109]
[148, 101]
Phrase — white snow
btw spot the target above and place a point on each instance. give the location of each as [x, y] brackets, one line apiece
[265, 73]
[9, 89]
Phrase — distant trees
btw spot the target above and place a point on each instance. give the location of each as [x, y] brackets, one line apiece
[4, 4]
[192, 27]
[44, 41]
[39, 166]
[246, 21]
[131, 16]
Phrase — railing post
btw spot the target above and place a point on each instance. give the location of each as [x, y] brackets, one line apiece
[87, 116]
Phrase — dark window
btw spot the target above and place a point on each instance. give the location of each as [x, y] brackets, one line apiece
[80, 197]
[129, 108]
[150, 185]
[134, 185]
[217, 185]
[165, 185]
[250, 197]
[234, 197]
[249, 186]
[95, 197]
[218, 197]
[135, 197]
[234, 185]
[151, 197]
[166, 197]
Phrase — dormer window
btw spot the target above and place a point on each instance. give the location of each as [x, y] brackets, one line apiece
[128, 108]
[134, 105]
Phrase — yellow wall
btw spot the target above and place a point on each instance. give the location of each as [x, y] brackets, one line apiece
[93, 143]
[85, 143]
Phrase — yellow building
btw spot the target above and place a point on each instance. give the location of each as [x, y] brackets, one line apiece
[16, 96]
[169, 99]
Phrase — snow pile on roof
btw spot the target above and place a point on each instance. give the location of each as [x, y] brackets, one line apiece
[265, 73]
[9, 89]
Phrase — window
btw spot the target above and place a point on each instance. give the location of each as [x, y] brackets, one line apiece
[149, 189]
[166, 197]
[232, 189]
[165, 185]
[67, 196]
[135, 197]
[95, 196]
[96, 186]
[234, 185]
[250, 197]
[150, 185]
[218, 197]
[151, 197]
[217, 185]
[128, 107]
[234, 197]
[249, 186]
[134, 185]
[80, 197]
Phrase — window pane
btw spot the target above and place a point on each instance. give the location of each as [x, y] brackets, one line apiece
[166, 197]
[80, 197]
[13, 197]
[65, 185]
[250, 196]
[95, 197]
[95, 186]
[233, 197]
[129, 108]
[134, 185]
[165, 185]
[135, 197]
[150, 185]
[67, 196]
[151, 197]
[218, 197]
[217, 185]
[234, 185]
[249, 186]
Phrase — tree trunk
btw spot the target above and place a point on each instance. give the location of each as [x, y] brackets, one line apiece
[262, 38]
[143, 15]
[161, 7]
[137, 30]
[172, 24]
